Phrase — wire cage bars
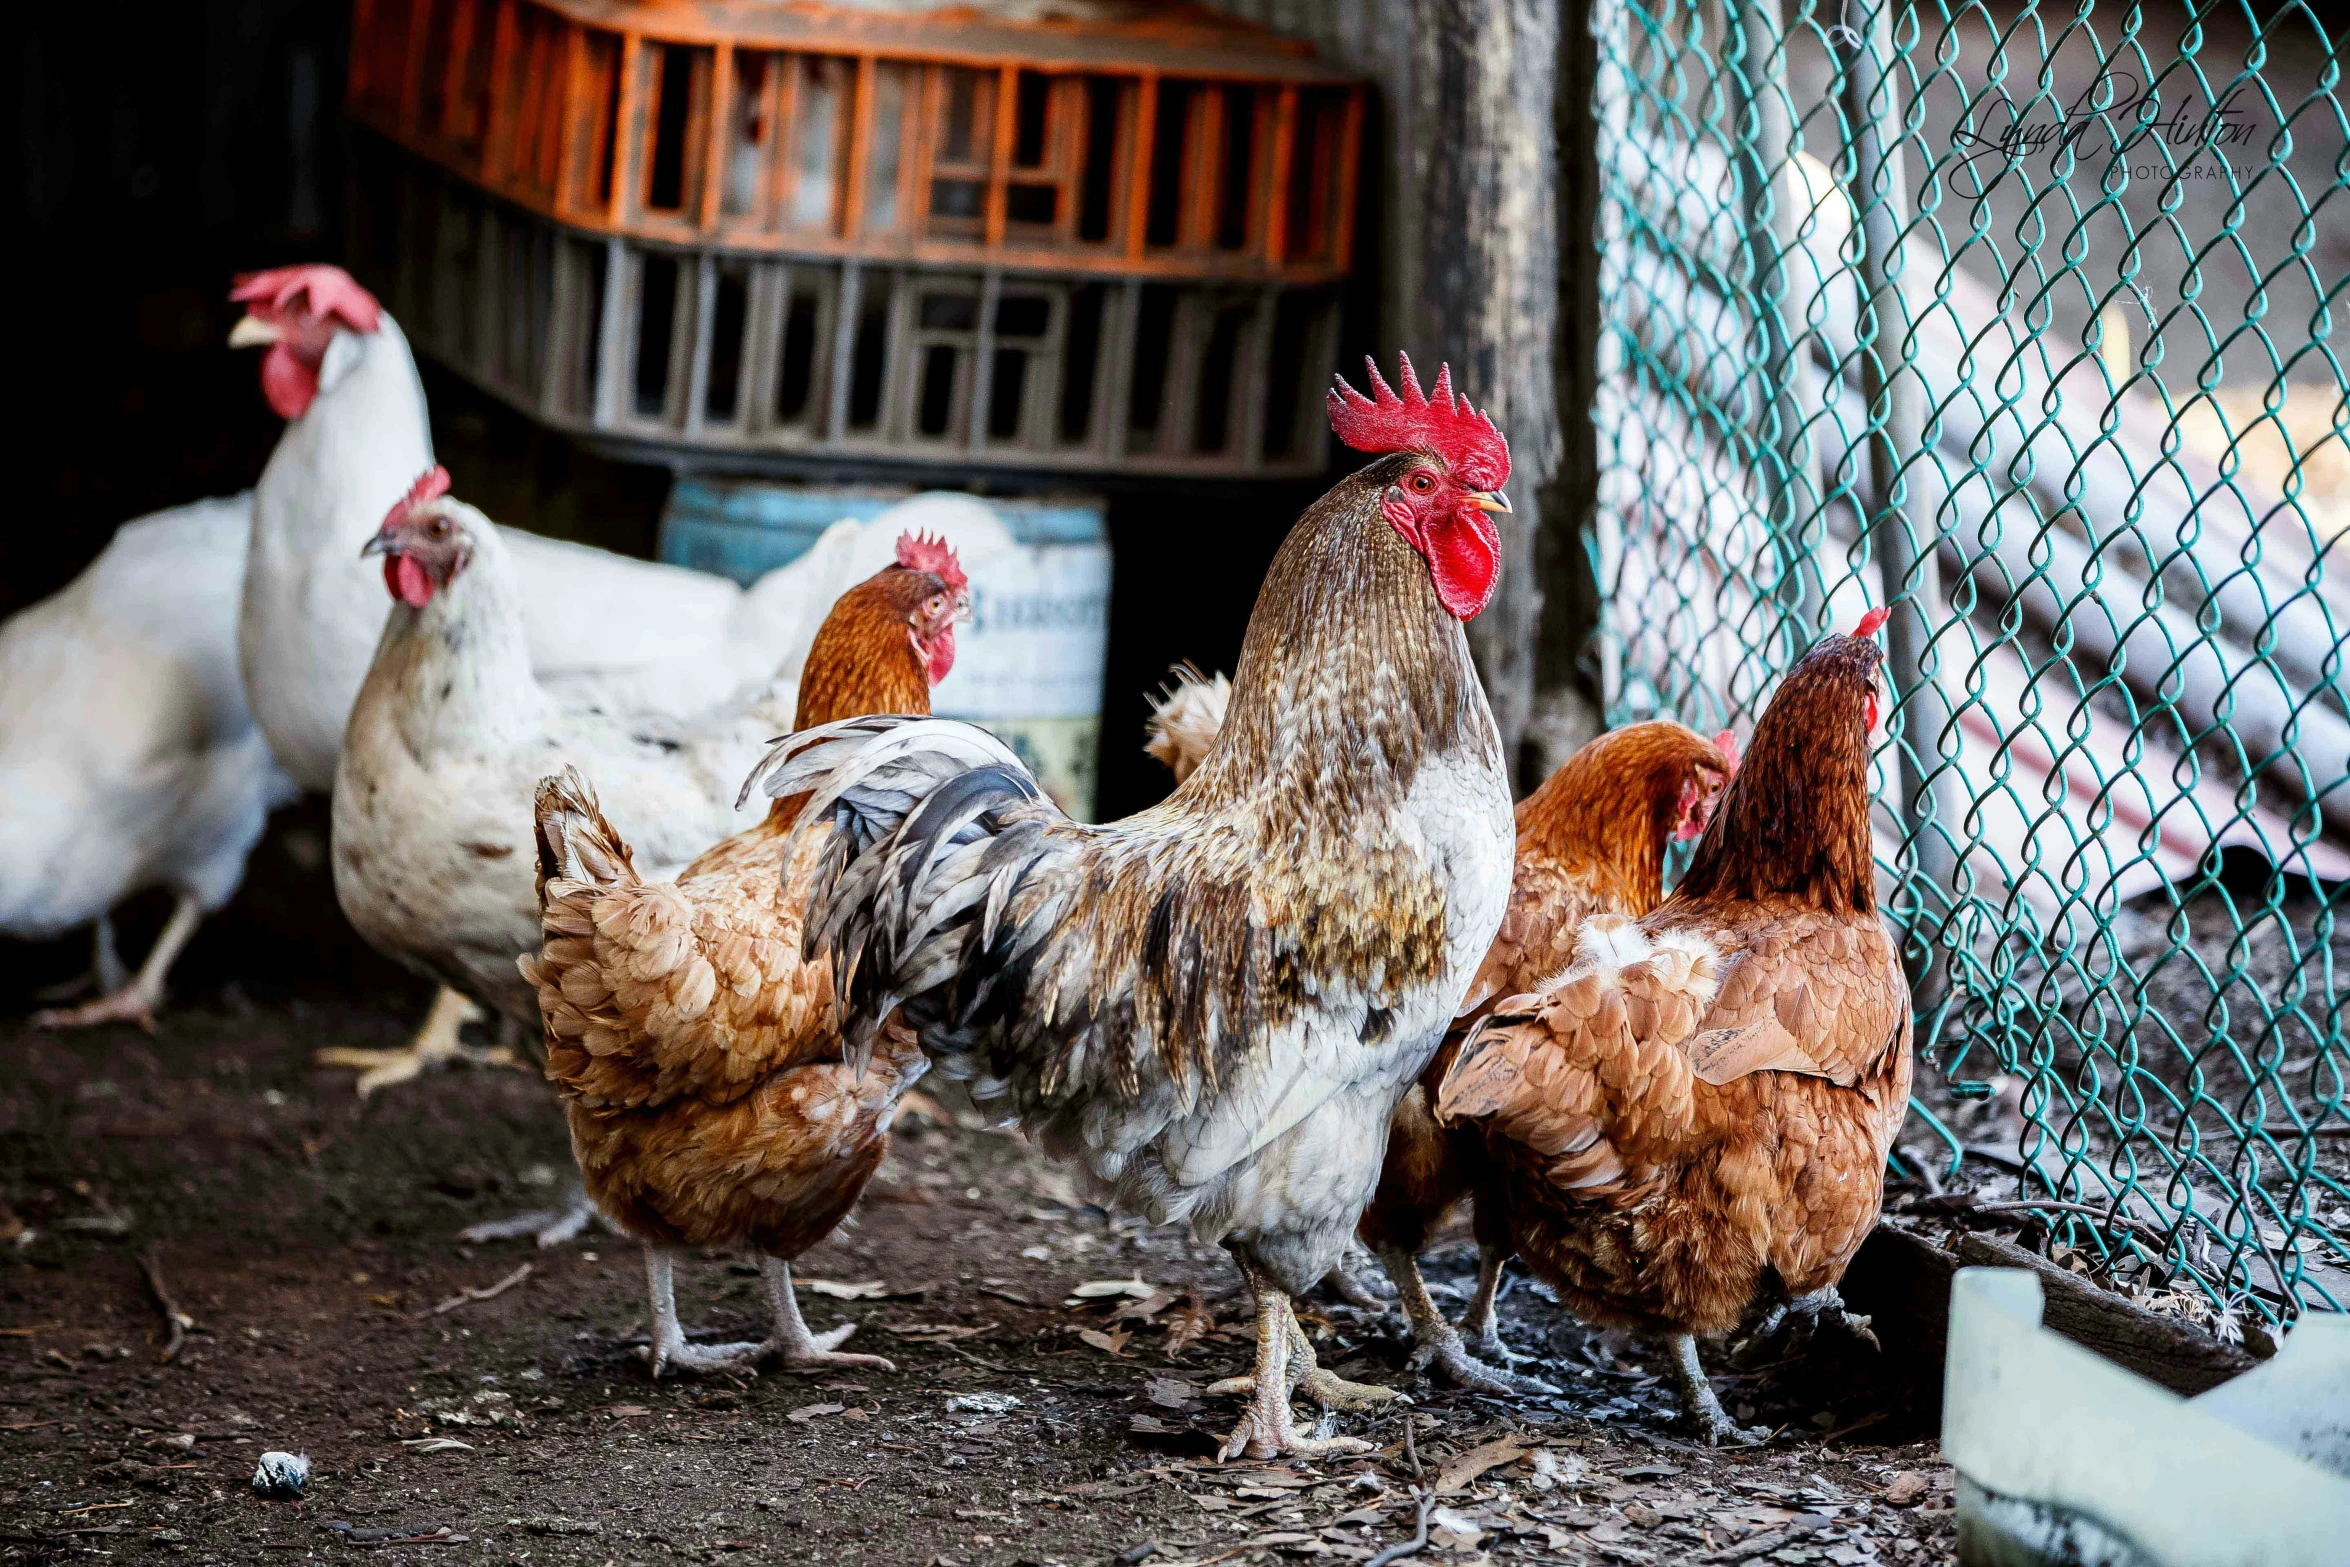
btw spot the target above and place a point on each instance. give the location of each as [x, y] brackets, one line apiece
[2023, 317]
[746, 231]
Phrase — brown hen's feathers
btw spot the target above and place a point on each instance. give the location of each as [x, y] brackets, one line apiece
[1591, 841]
[1694, 1118]
[687, 1034]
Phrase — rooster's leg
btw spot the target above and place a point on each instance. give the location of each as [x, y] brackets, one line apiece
[436, 1043]
[792, 1341]
[547, 1226]
[1268, 1429]
[135, 1002]
[1704, 1411]
[669, 1347]
[1440, 1346]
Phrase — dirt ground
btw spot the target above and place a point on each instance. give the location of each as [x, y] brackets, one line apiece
[311, 1239]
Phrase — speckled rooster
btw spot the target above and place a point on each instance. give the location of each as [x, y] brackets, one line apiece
[1211, 1008]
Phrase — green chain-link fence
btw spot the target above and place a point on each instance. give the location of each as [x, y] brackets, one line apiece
[2023, 317]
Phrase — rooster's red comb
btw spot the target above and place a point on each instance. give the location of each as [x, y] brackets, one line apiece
[1444, 423]
[429, 486]
[1727, 743]
[333, 292]
[928, 552]
[1873, 622]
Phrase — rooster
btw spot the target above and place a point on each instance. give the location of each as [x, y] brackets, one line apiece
[1591, 842]
[1690, 1123]
[691, 1040]
[1212, 1008]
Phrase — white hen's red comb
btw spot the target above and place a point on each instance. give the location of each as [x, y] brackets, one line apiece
[331, 290]
[430, 485]
[1445, 423]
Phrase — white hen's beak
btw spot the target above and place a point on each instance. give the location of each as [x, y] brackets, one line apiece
[252, 332]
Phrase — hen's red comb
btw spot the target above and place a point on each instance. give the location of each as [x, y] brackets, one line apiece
[1727, 743]
[1445, 424]
[1873, 622]
[928, 552]
[332, 291]
[429, 486]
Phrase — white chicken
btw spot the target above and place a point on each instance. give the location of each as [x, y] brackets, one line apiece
[450, 735]
[598, 630]
[127, 757]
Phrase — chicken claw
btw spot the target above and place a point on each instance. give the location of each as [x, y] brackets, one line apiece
[1703, 1409]
[135, 1002]
[1439, 1344]
[435, 1044]
[127, 1005]
[793, 1342]
[1268, 1429]
[1819, 1306]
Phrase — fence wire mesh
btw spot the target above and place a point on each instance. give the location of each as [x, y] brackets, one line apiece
[2022, 318]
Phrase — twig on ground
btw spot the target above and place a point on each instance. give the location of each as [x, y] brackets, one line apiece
[176, 1320]
[489, 1292]
[1419, 1540]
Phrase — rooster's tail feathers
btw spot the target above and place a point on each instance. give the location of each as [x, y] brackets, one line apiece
[911, 886]
[575, 842]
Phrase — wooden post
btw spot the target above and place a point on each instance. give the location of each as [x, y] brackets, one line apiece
[1483, 83]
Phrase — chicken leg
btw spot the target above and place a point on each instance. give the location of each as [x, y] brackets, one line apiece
[792, 1340]
[436, 1043]
[1704, 1411]
[135, 1002]
[1439, 1343]
[669, 1347]
[1481, 1323]
[1269, 1429]
[547, 1226]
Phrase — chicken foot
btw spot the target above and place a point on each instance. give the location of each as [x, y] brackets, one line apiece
[1269, 1429]
[669, 1347]
[1481, 1323]
[436, 1043]
[135, 1002]
[1819, 1306]
[1440, 1346]
[793, 1342]
[547, 1226]
[106, 973]
[1700, 1405]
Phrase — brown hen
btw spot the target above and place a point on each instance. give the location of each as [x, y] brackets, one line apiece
[708, 1101]
[1691, 1123]
[1591, 841]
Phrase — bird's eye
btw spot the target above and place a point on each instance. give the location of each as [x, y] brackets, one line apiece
[439, 528]
[1422, 482]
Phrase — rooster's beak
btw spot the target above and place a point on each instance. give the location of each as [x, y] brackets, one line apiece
[382, 544]
[1493, 500]
[252, 332]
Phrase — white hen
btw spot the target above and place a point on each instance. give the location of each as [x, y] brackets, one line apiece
[127, 757]
[452, 732]
[599, 630]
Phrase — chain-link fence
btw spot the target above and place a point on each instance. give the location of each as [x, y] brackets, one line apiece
[2023, 317]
